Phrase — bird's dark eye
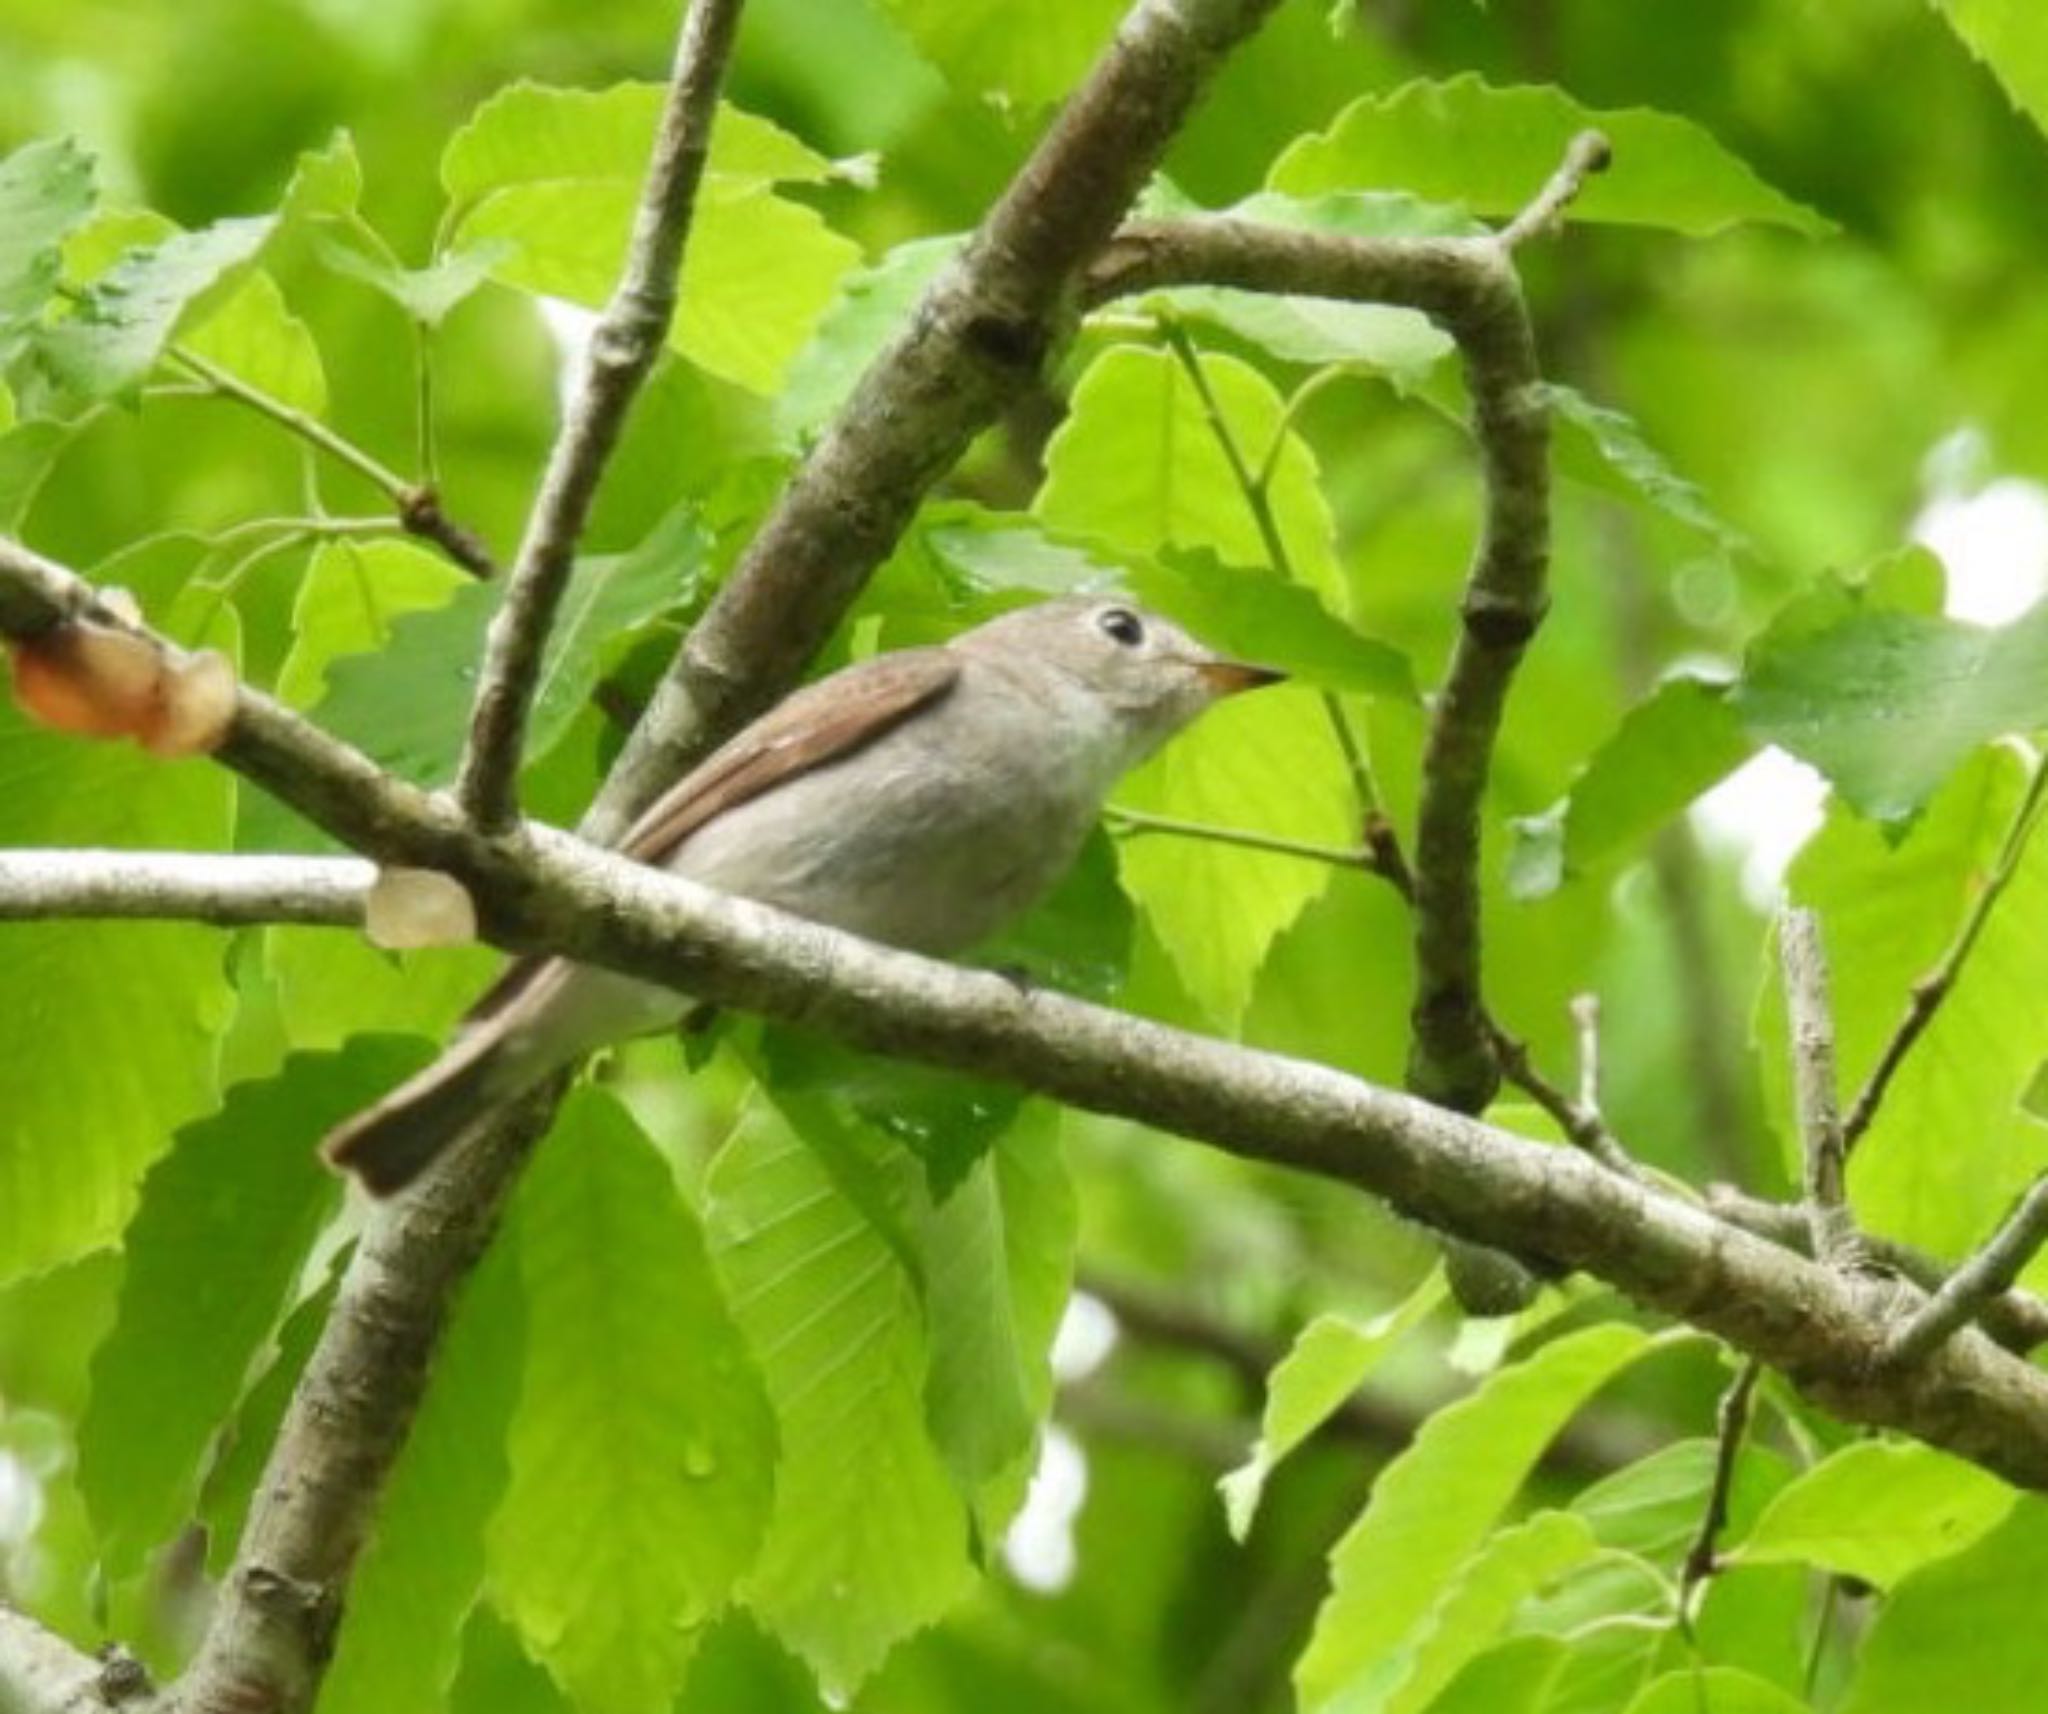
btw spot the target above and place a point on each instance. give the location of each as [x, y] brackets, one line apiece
[1121, 625]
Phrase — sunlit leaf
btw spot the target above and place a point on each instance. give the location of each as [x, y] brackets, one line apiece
[1323, 1368]
[216, 1246]
[869, 1537]
[1964, 1631]
[642, 1450]
[1878, 1511]
[1218, 908]
[1434, 1504]
[1492, 148]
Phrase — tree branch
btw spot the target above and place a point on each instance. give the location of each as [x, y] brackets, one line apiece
[542, 890]
[190, 887]
[622, 350]
[40, 1673]
[417, 505]
[1805, 966]
[1972, 1288]
[2018, 1320]
[983, 330]
[1469, 286]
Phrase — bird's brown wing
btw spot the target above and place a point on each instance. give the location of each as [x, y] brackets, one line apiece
[818, 724]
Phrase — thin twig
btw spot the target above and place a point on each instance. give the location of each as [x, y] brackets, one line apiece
[619, 356]
[2017, 1320]
[183, 886]
[417, 507]
[1731, 1420]
[1133, 822]
[1985, 1277]
[1803, 962]
[1925, 997]
[1587, 154]
[1583, 1126]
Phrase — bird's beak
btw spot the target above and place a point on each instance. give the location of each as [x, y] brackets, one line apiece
[1227, 678]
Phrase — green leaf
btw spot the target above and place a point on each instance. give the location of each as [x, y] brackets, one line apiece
[1666, 751]
[1963, 1632]
[998, 1262]
[982, 51]
[1247, 613]
[642, 1450]
[1721, 1689]
[1513, 1678]
[350, 595]
[407, 703]
[1434, 1504]
[871, 308]
[1889, 909]
[425, 294]
[1887, 704]
[1217, 909]
[1877, 1510]
[214, 1251]
[1492, 149]
[1608, 449]
[28, 453]
[1259, 617]
[46, 189]
[1326, 1364]
[1078, 937]
[326, 182]
[947, 1119]
[528, 131]
[1473, 1611]
[869, 1538]
[80, 1121]
[1138, 464]
[245, 1443]
[497, 1676]
[2010, 37]
[412, 1591]
[556, 173]
[121, 323]
[1402, 344]
[253, 335]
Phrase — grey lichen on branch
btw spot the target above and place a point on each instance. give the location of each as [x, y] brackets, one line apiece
[621, 353]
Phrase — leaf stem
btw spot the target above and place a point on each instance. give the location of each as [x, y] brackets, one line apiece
[1132, 822]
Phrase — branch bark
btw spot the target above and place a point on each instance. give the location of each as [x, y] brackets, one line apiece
[225, 890]
[622, 350]
[40, 1673]
[1812, 1021]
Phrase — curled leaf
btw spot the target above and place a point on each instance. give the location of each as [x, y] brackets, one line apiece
[100, 681]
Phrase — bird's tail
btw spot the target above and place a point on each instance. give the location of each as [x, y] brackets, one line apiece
[390, 1144]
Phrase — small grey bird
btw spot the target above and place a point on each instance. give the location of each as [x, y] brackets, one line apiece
[922, 799]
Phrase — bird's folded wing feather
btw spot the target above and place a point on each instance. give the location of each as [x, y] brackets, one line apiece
[824, 721]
